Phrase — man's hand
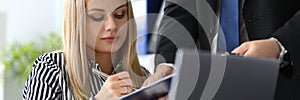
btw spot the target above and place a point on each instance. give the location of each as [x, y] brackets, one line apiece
[162, 70]
[267, 48]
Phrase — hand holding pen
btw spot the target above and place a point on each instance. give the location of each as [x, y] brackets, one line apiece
[118, 84]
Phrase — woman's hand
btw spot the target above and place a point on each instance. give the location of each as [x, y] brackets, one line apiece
[115, 86]
[162, 70]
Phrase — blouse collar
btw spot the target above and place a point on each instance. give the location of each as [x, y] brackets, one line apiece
[94, 65]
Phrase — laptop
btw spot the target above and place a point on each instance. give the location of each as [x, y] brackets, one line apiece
[203, 76]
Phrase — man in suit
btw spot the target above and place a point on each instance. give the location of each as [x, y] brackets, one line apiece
[288, 87]
[258, 19]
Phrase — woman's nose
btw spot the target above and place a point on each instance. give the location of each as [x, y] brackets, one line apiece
[110, 24]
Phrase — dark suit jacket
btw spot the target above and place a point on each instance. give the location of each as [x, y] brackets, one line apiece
[288, 35]
[263, 19]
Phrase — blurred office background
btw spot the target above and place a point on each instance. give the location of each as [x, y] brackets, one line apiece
[26, 21]
[23, 21]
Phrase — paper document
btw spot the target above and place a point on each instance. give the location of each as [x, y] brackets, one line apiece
[152, 91]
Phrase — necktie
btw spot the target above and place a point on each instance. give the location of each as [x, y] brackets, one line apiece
[229, 22]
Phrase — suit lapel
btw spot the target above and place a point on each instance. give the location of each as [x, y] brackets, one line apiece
[243, 36]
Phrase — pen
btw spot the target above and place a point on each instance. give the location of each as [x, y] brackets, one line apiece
[103, 75]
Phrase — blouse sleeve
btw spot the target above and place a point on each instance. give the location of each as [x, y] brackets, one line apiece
[146, 72]
[43, 81]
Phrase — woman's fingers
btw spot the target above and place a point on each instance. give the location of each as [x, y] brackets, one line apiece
[125, 90]
[120, 87]
[119, 76]
[123, 75]
[119, 84]
[120, 79]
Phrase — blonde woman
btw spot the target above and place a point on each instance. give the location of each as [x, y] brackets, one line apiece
[97, 35]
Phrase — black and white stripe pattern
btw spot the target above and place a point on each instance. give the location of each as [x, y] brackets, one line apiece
[49, 80]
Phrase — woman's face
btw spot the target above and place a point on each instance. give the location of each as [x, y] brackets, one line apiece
[105, 25]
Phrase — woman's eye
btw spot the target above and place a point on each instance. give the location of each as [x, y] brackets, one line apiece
[98, 18]
[119, 15]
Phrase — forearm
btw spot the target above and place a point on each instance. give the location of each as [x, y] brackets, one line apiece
[288, 36]
[164, 69]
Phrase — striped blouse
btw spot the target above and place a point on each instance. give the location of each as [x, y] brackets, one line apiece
[48, 79]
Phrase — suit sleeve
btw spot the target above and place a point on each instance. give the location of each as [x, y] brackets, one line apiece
[175, 27]
[289, 35]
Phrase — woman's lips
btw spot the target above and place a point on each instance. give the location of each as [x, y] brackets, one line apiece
[110, 38]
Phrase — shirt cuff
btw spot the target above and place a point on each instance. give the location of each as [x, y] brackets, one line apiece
[283, 51]
[167, 64]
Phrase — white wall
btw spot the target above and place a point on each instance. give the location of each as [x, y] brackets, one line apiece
[139, 7]
[2, 28]
[27, 18]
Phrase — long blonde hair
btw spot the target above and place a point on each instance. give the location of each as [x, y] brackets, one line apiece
[74, 47]
[130, 60]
